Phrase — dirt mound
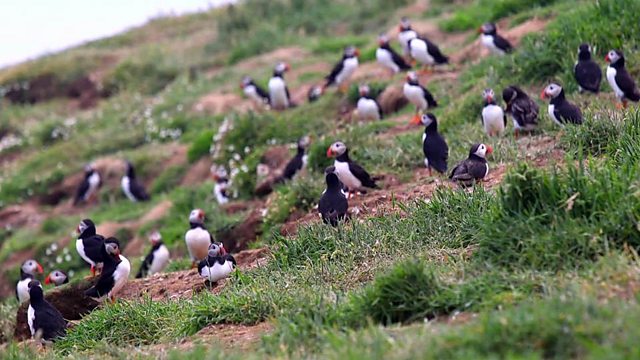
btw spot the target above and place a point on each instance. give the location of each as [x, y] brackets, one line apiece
[370, 71]
[269, 60]
[19, 216]
[233, 336]
[217, 103]
[239, 236]
[197, 173]
[392, 99]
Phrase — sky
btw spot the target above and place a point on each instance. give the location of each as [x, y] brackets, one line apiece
[30, 28]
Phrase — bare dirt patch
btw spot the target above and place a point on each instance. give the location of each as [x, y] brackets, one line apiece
[217, 103]
[271, 58]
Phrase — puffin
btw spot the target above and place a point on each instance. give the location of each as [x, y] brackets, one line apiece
[474, 168]
[343, 69]
[586, 71]
[253, 91]
[278, 92]
[621, 82]
[352, 175]
[88, 186]
[494, 120]
[197, 237]
[157, 259]
[368, 107]
[389, 58]
[89, 244]
[217, 265]
[426, 52]
[45, 321]
[28, 272]
[314, 93]
[57, 278]
[523, 110]
[418, 95]
[434, 147]
[333, 204]
[405, 34]
[222, 183]
[492, 41]
[561, 110]
[115, 272]
[131, 187]
[299, 161]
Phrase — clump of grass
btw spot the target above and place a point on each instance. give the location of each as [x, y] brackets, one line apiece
[145, 74]
[593, 137]
[200, 146]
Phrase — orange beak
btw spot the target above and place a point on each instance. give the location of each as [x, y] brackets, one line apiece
[489, 150]
[357, 52]
[400, 27]
[78, 230]
[241, 86]
[47, 280]
[287, 67]
[489, 98]
[606, 58]
[329, 152]
[480, 30]
[543, 95]
[40, 269]
[415, 120]
[223, 251]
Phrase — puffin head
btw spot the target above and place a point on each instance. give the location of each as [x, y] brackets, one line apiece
[351, 51]
[112, 246]
[613, 56]
[480, 150]
[281, 68]
[56, 278]
[89, 168]
[509, 94]
[155, 237]
[551, 91]
[405, 24]
[412, 77]
[218, 172]
[35, 290]
[216, 249]
[487, 28]
[383, 39]
[84, 225]
[304, 141]
[426, 119]
[364, 90]
[31, 267]
[488, 95]
[336, 149]
[246, 80]
[196, 216]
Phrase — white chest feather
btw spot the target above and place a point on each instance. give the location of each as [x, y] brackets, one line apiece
[404, 37]
[305, 160]
[420, 52]
[31, 318]
[217, 271]
[126, 188]
[120, 276]
[415, 95]
[611, 78]
[278, 93]
[251, 92]
[94, 182]
[487, 41]
[493, 119]
[218, 191]
[349, 66]
[160, 260]
[22, 289]
[368, 109]
[552, 115]
[198, 241]
[83, 255]
[384, 58]
[345, 175]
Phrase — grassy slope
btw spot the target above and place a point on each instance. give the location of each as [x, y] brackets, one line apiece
[544, 267]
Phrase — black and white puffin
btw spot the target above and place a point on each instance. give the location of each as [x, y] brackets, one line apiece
[299, 161]
[561, 110]
[253, 91]
[352, 175]
[474, 168]
[523, 110]
[494, 120]
[343, 70]
[45, 321]
[418, 95]
[492, 41]
[389, 58]
[89, 244]
[621, 82]
[57, 278]
[197, 237]
[131, 187]
[314, 93]
[157, 259]
[221, 186]
[278, 92]
[217, 265]
[89, 185]
[586, 71]
[405, 34]
[434, 147]
[28, 272]
[367, 106]
[115, 272]
[426, 52]
[333, 204]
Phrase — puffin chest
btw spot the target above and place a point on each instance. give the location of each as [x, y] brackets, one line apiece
[31, 319]
[160, 260]
[552, 114]
[493, 118]
[349, 66]
[278, 93]
[384, 57]
[488, 41]
[251, 93]
[216, 271]
[126, 188]
[346, 176]
[120, 275]
[22, 289]
[368, 109]
[198, 241]
[611, 78]
[415, 95]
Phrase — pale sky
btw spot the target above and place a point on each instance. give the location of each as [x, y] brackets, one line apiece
[30, 28]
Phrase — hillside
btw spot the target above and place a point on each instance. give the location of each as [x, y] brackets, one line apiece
[539, 260]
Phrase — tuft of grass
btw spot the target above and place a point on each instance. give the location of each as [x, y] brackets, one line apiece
[593, 137]
[200, 146]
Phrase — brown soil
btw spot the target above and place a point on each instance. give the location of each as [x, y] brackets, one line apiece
[270, 59]
[197, 173]
[231, 336]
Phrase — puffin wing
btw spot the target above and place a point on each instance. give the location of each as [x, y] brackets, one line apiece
[379, 108]
[398, 60]
[337, 69]
[93, 247]
[293, 166]
[435, 52]
[627, 85]
[568, 113]
[362, 175]
[437, 152]
[82, 189]
[50, 321]
[525, 111]
[588, 75]
[138, 190]
[460, 172]
[262, 93]
[146, 263]
[476, 169]
[427, 95]
[105, 282]
[502, 43]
